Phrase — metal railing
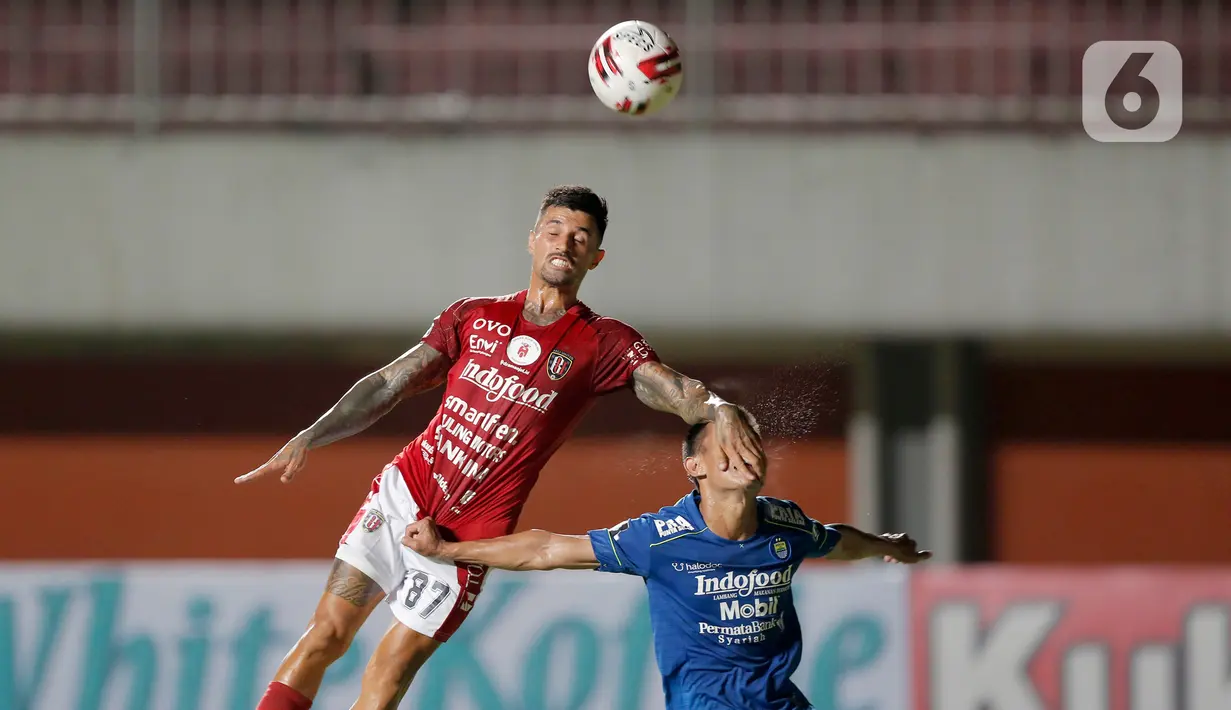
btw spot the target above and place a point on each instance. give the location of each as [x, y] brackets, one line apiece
[153, 64]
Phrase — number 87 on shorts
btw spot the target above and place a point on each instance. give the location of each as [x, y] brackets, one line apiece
[1132, 91]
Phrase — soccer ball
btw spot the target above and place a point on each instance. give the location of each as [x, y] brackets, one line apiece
[635, 68]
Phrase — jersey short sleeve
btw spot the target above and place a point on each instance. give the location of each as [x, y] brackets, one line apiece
[621, 350]
[624, 548]
[824, 537]
[444, 335]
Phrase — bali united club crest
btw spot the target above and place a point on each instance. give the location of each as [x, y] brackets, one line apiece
[558, 364]
[373, 520]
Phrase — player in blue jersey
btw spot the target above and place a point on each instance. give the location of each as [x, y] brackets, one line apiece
[718, 567]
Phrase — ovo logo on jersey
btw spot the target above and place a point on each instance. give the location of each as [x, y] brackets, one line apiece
[502, 329]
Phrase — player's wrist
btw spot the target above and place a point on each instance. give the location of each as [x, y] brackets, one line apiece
[721, 408]
[447, 550]
[881, 547]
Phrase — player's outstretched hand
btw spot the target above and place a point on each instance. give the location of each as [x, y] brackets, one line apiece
[284, 464]
[903, 549]
[423, 537]
[739, 443]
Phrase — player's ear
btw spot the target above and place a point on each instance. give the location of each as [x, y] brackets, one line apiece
[598, 257]
[693, 466]
[530, 240]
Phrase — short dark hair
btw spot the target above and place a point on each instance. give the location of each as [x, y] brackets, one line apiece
[581, 199]
[692, 439]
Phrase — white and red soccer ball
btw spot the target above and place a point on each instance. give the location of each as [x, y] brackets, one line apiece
[635, 68]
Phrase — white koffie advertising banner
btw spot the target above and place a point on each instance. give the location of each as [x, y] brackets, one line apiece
[209, 637]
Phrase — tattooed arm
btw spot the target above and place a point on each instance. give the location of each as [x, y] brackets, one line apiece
[662, 388]
[659, 387]
[418, 370]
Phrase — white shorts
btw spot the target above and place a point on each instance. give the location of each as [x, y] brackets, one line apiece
[429, 596]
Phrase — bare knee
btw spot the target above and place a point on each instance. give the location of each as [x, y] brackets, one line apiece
[349, 597]
[327, 638]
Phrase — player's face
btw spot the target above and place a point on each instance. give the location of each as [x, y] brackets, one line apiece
[564, 246]
[704, 467]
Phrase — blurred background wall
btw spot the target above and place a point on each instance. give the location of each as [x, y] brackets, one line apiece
[877, 223]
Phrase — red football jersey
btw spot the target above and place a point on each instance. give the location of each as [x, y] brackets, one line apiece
[515, 392]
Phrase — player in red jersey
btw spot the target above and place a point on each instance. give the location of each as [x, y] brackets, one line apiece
[519, 372]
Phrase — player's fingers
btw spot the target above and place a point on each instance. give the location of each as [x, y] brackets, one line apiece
[253, 474]
[752, 456]
[723, 463]
[292, 469]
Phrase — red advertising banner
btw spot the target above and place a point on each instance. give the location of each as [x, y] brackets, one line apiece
[998, 638]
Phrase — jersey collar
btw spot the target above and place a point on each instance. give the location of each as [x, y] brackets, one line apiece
[691, 503]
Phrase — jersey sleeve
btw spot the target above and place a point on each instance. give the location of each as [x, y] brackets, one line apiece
[444, 335]
[621, 351]
[824, 539]
[624, 548]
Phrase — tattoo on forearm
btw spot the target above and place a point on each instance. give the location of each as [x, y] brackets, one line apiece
[371, 398]
[662, 388]
[352, 585]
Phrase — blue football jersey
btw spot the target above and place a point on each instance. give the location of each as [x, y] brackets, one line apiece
[726, 635]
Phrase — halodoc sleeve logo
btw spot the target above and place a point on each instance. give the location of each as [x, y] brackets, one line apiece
[1132, 92]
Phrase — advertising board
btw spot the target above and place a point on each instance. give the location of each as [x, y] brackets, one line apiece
[209, 636]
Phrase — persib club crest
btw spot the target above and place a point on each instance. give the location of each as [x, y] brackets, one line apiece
[781, 549]
[558, 364]
[373, 520]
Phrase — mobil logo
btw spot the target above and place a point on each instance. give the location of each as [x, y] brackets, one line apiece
[484, 325]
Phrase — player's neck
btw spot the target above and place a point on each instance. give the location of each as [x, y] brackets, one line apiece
[731, 515]
[549, 302]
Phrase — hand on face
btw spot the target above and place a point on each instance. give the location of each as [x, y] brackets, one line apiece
[739, 445]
